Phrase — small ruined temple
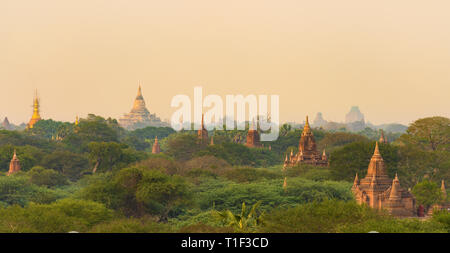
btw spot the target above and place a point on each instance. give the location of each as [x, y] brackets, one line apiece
[307, 150]
[36, 116]
[253, 138]
[156, 149]
[140, 117]
[382, 138]
[14, 165]
[202, 133]
[379, 192]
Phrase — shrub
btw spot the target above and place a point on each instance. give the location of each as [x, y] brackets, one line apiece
[46, 177]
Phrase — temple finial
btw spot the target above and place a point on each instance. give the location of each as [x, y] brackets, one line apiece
[139, 90]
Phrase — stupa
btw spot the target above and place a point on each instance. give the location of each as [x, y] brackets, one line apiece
[140, 117]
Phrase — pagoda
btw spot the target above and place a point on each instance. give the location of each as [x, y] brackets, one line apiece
[379, 192]
[307, 150]
[202, 133]
[14, 165]
[156, 149]
[36, 116]
[140, 117]
[382, 138]
[6, 125]
[253, 139]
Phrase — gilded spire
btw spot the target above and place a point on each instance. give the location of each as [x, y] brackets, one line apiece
[76, 120]
[306, 128]
[14, 155]
[36, 116]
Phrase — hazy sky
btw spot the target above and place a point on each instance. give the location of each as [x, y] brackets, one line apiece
[391, 58]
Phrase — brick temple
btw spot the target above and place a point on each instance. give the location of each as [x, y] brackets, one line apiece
[378, 191]
[307, 150]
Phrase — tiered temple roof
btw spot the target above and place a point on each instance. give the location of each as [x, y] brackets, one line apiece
[140, 117]
[378, 191]
[307, 150]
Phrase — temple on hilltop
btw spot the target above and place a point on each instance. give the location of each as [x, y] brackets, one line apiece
[14, 165]
[307, 150]
[202, 133]
[36, 117]
[253, 138]
[382, 138]
[379, 192]
[140, 117]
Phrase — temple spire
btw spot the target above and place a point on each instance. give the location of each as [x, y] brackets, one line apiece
[203, 123]
[324, 155]
[36, 116]
[443, 190]
[306, 128]
[377, 151]
[356, 182]
[395, 189]
[382, 138]
[139, 91]
[14, 165]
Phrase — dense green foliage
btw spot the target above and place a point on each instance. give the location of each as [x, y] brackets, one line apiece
[99, 177]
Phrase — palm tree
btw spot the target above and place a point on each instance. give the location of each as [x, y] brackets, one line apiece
[243, 221]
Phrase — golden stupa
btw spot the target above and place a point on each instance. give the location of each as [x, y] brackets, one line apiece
[36, 117]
